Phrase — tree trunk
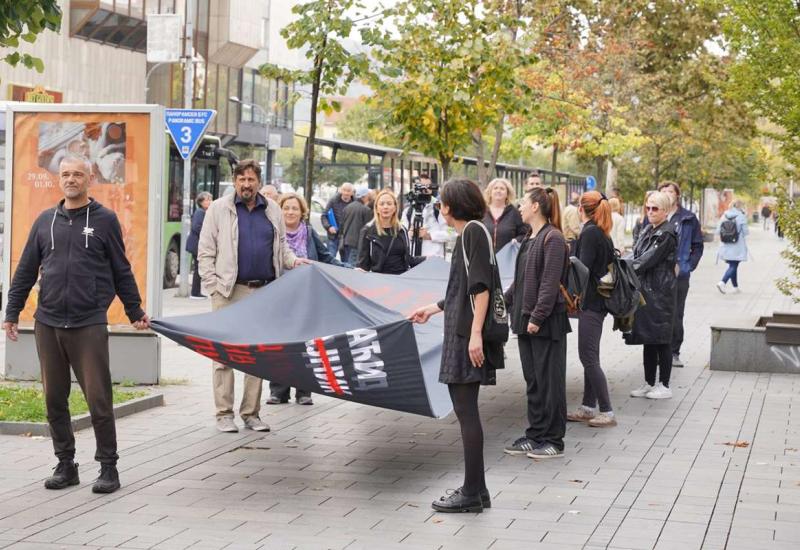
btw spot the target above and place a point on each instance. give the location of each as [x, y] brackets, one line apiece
[554, 163]
[445, 162]
[480, 164]
[498, 140]
[599, 163]
[657, 171]
[312, 130]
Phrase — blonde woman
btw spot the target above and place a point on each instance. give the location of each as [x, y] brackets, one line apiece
[654, 261]
[502, 218]
[384, 246]
[617, 225]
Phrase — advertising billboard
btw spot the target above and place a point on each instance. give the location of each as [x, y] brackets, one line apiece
[125, 146]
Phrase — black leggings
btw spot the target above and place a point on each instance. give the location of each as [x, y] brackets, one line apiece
[465, 404]
[657, 356]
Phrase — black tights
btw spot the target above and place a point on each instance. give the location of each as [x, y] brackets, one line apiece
[657, 357]
[465, 404]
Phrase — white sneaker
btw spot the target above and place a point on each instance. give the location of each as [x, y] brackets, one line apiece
[642, 391]
[226, 424]
[721, 287]
[660, 391]
[736, 290]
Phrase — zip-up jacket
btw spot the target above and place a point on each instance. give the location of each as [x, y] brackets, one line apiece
[81, 257]
[372, 254]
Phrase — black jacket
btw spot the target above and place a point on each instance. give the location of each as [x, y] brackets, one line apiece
[194, 234]
[508, 226]
[82, 261]
[654, 262]
[595, 249]
[356, 216]
[316, 249]
[337, 205]
[371, 253]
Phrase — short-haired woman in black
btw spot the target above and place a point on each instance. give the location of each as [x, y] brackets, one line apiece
[539, 319]
[466, 361]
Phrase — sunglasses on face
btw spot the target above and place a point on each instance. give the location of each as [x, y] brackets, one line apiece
[652, 208]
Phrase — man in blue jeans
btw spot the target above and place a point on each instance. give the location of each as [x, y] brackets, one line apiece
[690, 250]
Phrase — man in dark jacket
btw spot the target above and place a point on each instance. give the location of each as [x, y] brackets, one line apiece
[78, 247]
[335, 209]
[202, 201]
[357, 214]
[690, 250]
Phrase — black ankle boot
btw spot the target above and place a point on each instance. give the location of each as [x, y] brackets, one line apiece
[66, 474]
[108, 482]
[486, 498]
[458, 502]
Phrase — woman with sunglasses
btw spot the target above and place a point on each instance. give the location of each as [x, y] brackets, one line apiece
[654, 262]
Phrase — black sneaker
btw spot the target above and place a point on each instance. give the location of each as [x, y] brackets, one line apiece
[546, 450]
[65, 474]
[458, 502]
[108, 482]
[521, 446]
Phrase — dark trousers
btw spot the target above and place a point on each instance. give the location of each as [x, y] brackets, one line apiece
[196, 291]
[657, 357]
[86, 350]
[350, 254]
[732, 274]
[680, 308]
[282, 392]
[595, 385]
[544, 365]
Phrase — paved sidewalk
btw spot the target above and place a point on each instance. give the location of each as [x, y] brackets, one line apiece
[339, 475]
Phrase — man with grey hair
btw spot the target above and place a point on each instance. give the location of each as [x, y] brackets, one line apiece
[269, 191]
[78, 248]
[333, 216]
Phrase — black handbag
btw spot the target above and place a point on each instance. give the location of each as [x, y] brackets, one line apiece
[495, 325]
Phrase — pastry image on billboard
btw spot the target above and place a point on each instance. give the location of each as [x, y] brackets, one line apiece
[102, 143]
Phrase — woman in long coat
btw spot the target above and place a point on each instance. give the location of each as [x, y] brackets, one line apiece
[654, 263]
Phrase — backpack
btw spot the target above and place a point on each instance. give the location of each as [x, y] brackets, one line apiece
[728, 231]
[573, 286]
[626, 295]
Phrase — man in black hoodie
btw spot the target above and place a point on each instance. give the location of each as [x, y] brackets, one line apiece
[78, 249]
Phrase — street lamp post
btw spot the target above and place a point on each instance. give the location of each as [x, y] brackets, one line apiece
[267, 120]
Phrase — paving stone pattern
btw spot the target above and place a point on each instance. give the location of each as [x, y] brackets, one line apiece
[340, 475]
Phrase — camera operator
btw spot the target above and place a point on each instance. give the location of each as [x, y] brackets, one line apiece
[434, 231]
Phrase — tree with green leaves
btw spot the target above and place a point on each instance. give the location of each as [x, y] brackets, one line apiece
[449, 75]
[25, 20]
[764, 37]
[321, 28]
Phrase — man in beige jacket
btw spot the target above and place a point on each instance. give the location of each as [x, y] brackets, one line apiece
[571, 222]
[242, 248]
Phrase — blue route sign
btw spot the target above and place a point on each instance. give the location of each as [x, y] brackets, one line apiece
[591, 183]
[187, 126]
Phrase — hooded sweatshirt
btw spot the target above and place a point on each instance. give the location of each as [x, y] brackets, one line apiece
[82, 260]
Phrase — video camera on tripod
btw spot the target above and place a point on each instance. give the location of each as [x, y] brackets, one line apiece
[418, 198]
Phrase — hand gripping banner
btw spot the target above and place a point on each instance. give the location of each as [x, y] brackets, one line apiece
[333, 331]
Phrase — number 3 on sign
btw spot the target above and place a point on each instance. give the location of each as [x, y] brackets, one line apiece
[186, 134]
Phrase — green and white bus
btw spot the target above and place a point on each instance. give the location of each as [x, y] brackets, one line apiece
[210, 163]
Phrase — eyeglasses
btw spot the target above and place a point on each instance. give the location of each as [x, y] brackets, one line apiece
[652, 208]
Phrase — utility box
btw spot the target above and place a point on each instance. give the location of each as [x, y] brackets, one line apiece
[134, 357]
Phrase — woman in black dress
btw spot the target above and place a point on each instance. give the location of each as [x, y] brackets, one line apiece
[466, 361]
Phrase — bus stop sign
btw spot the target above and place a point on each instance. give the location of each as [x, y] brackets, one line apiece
[187, 126]
[591, 182]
